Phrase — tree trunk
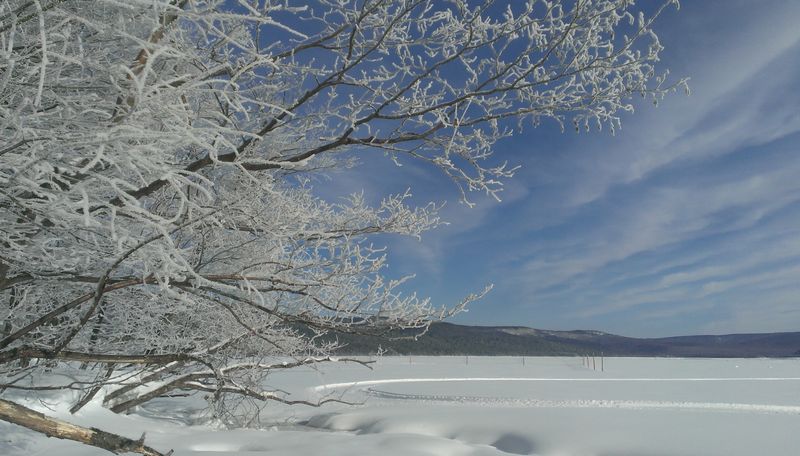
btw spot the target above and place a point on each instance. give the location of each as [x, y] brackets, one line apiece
[53, 427]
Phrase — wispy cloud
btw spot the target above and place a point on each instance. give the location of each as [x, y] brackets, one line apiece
[687, 221]
[687, 207]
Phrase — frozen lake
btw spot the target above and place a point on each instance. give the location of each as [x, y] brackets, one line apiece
[493, 406]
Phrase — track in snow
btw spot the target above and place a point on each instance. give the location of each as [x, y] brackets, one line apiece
[330, 386]
[588, 403]
[364, 386]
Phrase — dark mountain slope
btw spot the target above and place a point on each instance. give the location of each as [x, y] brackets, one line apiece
[450, 339]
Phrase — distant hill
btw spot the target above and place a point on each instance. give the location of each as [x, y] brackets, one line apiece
[451, 339]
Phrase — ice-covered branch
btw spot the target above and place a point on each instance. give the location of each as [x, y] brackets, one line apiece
[156, 212]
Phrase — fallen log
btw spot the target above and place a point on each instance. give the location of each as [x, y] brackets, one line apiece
[53, 427]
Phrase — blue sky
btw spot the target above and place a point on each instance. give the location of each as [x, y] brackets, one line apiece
[687, 221]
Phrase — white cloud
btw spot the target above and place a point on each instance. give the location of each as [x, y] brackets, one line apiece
[735, 82]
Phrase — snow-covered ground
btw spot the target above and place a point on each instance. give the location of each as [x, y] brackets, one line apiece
[454, 406]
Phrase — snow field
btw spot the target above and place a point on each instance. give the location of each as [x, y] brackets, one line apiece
[454, 406]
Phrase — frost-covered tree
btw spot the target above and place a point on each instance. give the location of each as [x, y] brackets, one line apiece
[157, 217]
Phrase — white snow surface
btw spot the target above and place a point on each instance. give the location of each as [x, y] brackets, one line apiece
[453, 406]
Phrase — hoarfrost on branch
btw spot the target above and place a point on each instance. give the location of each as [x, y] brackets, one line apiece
[158, 224]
